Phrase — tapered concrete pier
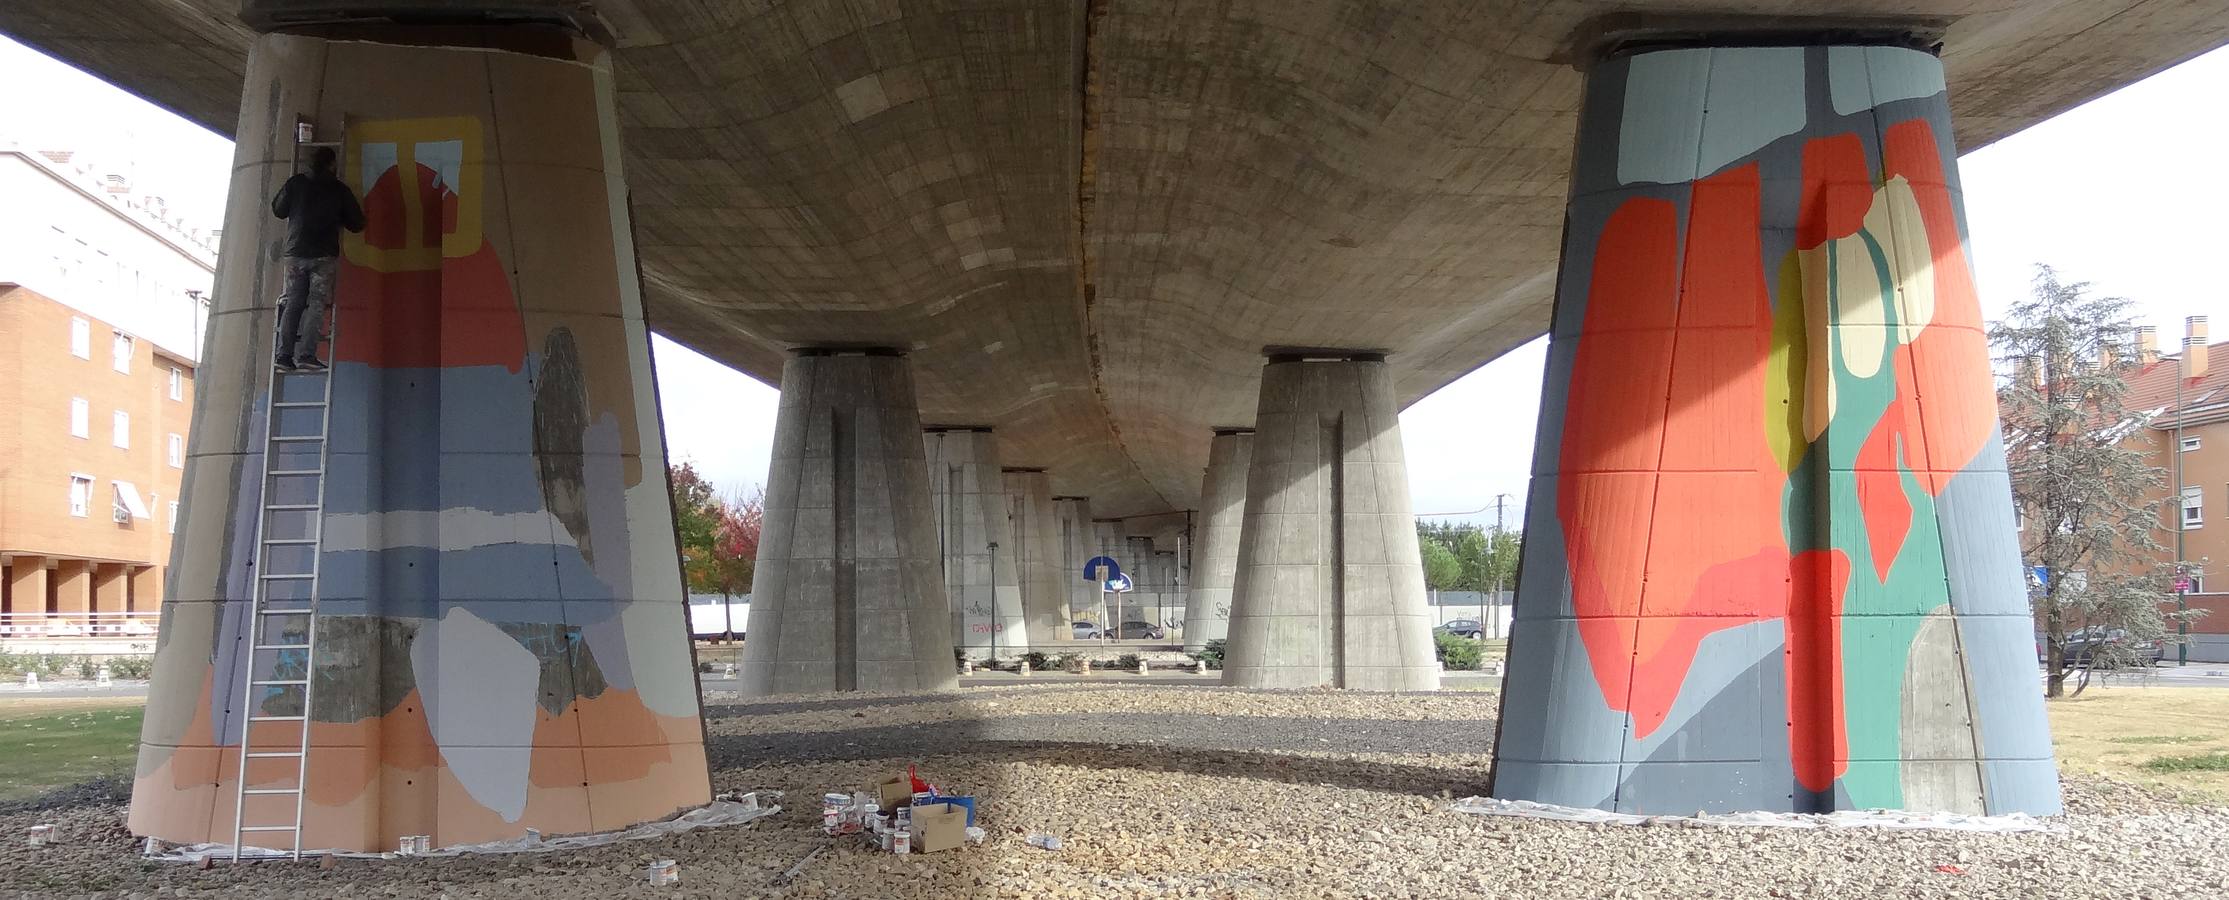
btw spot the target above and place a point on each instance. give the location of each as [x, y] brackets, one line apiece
[848, 593]
[1329, 589]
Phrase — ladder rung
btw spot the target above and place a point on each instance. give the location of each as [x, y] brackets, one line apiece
[297, 437]
[295, 472]
[297, 404]
[270, 828]
[280, 647]
[289, 576]
[284, 612]
[272, 791]
[321, 143]
[279, 682]
[277, 718]
[287, 506]
[290, 540]
[274, 754]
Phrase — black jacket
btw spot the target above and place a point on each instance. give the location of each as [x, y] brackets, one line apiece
[316, 208]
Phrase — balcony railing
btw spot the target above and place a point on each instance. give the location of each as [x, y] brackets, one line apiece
[78, 624]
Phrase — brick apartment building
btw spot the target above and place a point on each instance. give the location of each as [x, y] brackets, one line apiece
[2187, 435]
[101, 314]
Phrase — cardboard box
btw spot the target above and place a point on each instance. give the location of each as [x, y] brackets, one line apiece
[939, 826]
[893, 792]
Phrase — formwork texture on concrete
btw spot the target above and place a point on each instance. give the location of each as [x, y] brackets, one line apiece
[1330, 587]
[848, 594]
[1037, 556]
[1207, 609]
[1084, 219]
[976, 535]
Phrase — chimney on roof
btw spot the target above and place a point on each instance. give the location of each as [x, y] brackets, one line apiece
[2028, 373]
[57, 157]
[2147, 345]
[2194, 347]
[2108, 357]
[116, 184]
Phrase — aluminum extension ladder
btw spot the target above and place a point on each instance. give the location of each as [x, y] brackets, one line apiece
[282, 630]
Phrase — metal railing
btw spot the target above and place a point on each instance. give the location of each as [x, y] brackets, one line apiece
[137, 623]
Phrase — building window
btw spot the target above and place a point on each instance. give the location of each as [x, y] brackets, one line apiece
[122, 349]
[173, 517]
[2189, 444]
[177, 451]
[2194, 507]
[177, 383]
[81, 417]
[81, 494]
[123, 430]
[81, 338]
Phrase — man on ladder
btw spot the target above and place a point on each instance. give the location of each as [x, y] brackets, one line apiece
[316, 206]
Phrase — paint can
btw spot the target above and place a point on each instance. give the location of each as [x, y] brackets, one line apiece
[887, 839]
[304, 132]
[923, 797]
[664, 872]
[42, 835]
[831, 819]
[901, 842]
[419, 843]
[152, 847]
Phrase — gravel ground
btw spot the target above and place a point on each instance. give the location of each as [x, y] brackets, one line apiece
[1190, 792]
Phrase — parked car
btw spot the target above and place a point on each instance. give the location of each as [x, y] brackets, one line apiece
[1085, 631]
[2083, 648]
[1138, 631]
[1466, 627]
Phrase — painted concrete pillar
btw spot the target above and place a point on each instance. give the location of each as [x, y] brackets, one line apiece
[146, 590]
[500, 636]
[1072, 516]
[1329, 588]
[1037, 549]
[847, 594]
[109, 589]
[980, 577]
[1207, 611]
[71, 582]
[27, 589]
[1770, 560]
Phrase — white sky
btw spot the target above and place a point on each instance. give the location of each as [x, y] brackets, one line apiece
[2124, 192]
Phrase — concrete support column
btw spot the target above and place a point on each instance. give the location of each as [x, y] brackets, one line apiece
[847, 594]
[1072, 517]
[980, 577]
[1143, 604]
[1329, 587]
[1207, 611]
[71, 583]
[146, 590]
[501, 644]
[1037, 549]
[27, 590]
[110, 586]
[1770, 560]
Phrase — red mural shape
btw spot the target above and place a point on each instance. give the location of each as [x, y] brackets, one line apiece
[458, 313]
[1664, 453]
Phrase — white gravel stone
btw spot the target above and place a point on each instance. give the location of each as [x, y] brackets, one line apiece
[1240, 822]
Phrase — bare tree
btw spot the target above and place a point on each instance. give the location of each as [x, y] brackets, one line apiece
[2089, 498]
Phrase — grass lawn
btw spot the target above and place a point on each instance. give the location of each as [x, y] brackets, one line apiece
[46, 744]
[2172, 738]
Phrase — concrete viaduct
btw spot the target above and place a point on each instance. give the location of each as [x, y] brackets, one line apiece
[1040, 278]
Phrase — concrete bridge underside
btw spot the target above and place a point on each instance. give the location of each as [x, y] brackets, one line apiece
[1022, 262]
[1085, 220]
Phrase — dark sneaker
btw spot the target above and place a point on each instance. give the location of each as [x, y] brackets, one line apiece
[310, 364]
[284, 365]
